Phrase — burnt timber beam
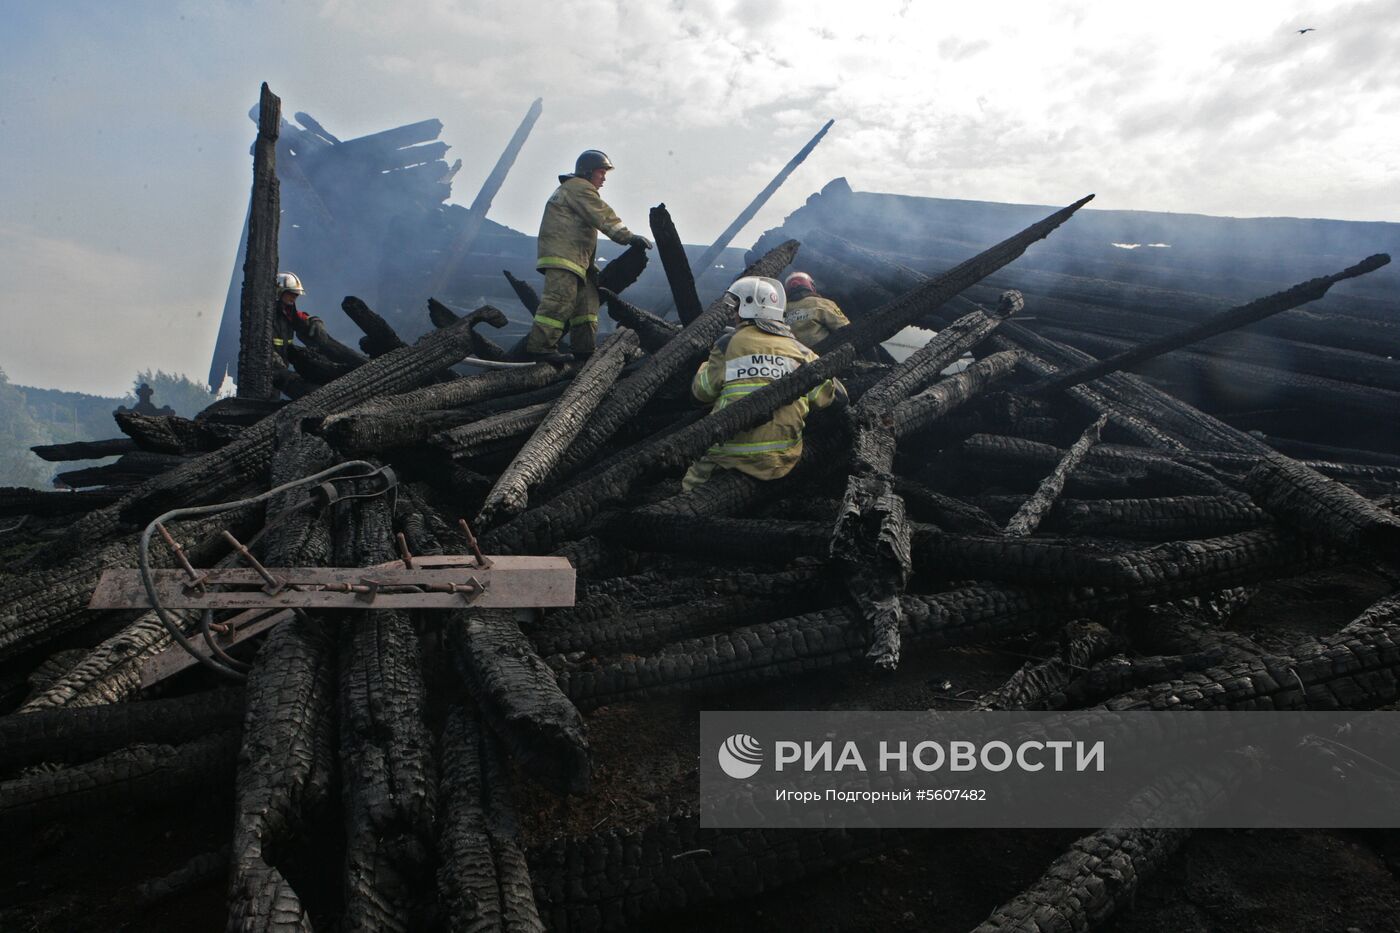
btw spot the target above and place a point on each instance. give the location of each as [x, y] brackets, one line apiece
[651, 330]
[524, 291]
[520, 699]
[674, 262]
[483, 879]
[379, 337]
[1256, 310]
[1301, 498]
[535, 460]
[84, 450]
[1030, 514]
[259, 299]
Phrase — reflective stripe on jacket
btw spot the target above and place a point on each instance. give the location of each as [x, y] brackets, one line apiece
[813, 318]
[745, 362]
[574, 215]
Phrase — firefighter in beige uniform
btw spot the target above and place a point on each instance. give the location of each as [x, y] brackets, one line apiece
[760, 351]
[568, 246]
[811, 317]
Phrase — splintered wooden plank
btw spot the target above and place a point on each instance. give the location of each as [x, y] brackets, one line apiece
[509, 582]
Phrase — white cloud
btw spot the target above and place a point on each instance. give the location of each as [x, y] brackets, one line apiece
[87, 319]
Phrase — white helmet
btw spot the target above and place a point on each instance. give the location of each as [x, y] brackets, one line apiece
[759, 297]
[288, 282]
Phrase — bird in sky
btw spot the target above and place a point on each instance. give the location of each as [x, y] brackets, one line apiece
[1307, 29]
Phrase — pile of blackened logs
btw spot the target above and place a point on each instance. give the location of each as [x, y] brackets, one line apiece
[1034, 494]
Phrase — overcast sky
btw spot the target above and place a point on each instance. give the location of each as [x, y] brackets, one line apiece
[124, 169]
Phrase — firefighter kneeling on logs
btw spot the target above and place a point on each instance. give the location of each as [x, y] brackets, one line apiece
[568, 245]
[811, 317]
[287, 324]
[761, 350]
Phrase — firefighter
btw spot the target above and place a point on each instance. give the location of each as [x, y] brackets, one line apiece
[811, 317]
[759, 351]
[287, 324]
[568, 245]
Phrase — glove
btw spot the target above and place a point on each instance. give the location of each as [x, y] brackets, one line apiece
[637, 239]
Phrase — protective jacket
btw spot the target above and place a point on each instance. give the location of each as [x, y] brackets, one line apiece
[287, 325]
[813, 318]
[744, 362]
[573, 217]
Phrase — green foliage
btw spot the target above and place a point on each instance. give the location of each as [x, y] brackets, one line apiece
[20, 430]
[179, 391]
[32, 416]
[73, 416]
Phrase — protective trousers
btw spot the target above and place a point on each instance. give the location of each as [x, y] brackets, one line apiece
[566, 304]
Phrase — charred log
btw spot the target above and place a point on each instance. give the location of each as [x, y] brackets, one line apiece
[315, 366]
[285, 766]
[130, 469]
[1358, 668]
[171, 434]
[935, 402]
[944, 512]
[483, 880]
[1259, 309]
[389, 784]
[44, 604]
[486, 434]
[1315, 505]
[84, 450]
[284, 773]
[1029, 516]
[47, 504]
[933, 357]
[137, 775]
[453, 394]
[652, 330]
[379, 337]
[517, 695]
[1182, 476]
[1037, 686]
[74, 735]
[257, 304]
[623, 270]
[563, 423]
[1162, 519]
[524, 291]
[1101, 872]
[110, 672]
[676, 265]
